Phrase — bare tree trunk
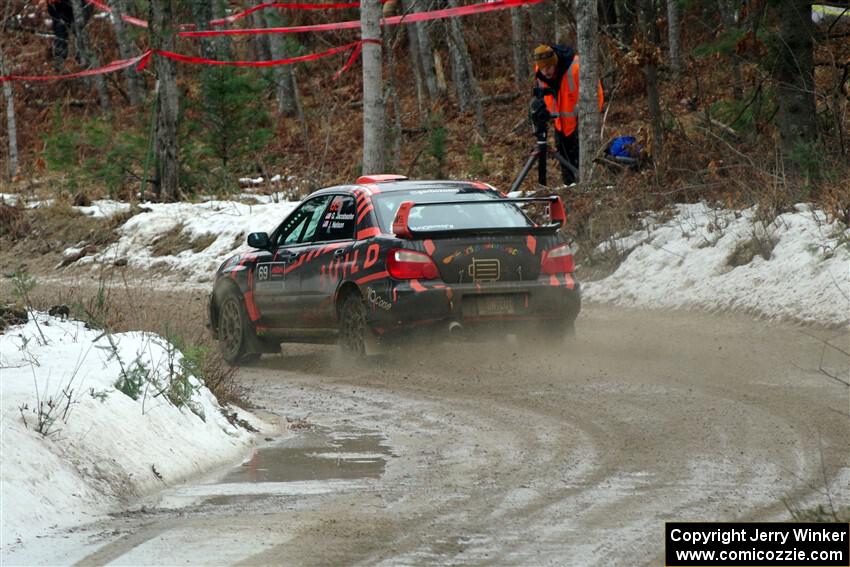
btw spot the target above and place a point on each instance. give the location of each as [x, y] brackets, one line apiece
[426, 51]
[728, 13]
[262, 42]
[373, 107]
[608, 15]
[135, 85]
[416, 65]
[587, 21]
[162, 18]
[442, 86]
[285, 90]
[795, 77]
[543, 22]
[627, 15]
[519, 49]
[299, 111]
[468, 90]
[651, 71]
[673, 34]
[202, 14]
[392, 97]
[221, 42]
[11, 127]
[87, 55]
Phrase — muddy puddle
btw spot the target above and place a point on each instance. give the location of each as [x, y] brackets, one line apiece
[314, 455]
[311, 462]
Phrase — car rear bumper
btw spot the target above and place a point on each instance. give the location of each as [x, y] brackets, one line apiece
[398, 307]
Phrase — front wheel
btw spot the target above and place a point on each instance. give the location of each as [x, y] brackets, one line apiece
[353, 329]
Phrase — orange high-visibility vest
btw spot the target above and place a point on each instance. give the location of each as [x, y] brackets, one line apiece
[565, 104]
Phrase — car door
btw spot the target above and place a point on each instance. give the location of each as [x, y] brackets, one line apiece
[277, 283]
[326, 260]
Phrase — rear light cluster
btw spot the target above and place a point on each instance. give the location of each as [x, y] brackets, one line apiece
[410, 265]
[558, 260]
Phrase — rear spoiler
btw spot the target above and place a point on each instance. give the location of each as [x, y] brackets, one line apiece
[557, 213]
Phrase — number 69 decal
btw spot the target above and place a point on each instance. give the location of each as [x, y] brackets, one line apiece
[262, 272]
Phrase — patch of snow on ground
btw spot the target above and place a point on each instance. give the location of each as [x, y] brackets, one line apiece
[104, 208]
[684, 262]
[103, 450]
[227, 222]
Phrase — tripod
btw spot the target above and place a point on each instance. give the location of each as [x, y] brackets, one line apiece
[541, 151]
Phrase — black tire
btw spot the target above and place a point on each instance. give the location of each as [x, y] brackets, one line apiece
[233, 330]
[353, 329]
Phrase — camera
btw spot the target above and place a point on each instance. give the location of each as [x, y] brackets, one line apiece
[539, 112]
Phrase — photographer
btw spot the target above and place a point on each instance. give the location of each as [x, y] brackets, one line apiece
[556, 77]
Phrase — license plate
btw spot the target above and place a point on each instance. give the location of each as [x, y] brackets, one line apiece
[495, 305]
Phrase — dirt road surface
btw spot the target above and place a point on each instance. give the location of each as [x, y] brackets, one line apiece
[513, 454]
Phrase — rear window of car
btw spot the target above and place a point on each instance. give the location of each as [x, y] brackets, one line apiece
[450, 216]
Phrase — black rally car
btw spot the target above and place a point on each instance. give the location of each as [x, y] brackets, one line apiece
[375, 260]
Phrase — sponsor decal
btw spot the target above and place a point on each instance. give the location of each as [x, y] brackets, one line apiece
[377, 300]
[427, 191]
[469, 250]
[430, 227]
[371, 256]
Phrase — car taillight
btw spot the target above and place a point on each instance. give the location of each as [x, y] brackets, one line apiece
[410, 265]
[558, 260]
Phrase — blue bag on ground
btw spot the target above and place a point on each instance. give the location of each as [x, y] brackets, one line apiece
[620, 147]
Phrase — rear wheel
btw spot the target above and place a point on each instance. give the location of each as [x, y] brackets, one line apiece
[353, 329]
[233, 330]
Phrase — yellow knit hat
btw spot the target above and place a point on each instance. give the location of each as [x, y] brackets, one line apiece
[544, 56]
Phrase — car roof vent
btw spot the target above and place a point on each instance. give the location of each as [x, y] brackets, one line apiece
[381, 178]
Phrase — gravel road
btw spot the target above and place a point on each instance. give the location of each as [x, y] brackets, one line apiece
[513, 454]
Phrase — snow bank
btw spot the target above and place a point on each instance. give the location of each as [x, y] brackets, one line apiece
[104, 208]
[680, 262]
[107, 447]
[217, 229]
[685, 262]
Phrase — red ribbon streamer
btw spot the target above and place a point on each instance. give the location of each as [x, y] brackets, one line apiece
[141, 60]
[102, 6]
[355, 24]
[288, 61]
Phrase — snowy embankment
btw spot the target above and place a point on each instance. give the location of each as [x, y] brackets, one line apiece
[796, 267]
[189, 239]
[91, 421]
[186, 240]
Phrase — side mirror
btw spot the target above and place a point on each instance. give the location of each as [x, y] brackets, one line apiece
[258, 240]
